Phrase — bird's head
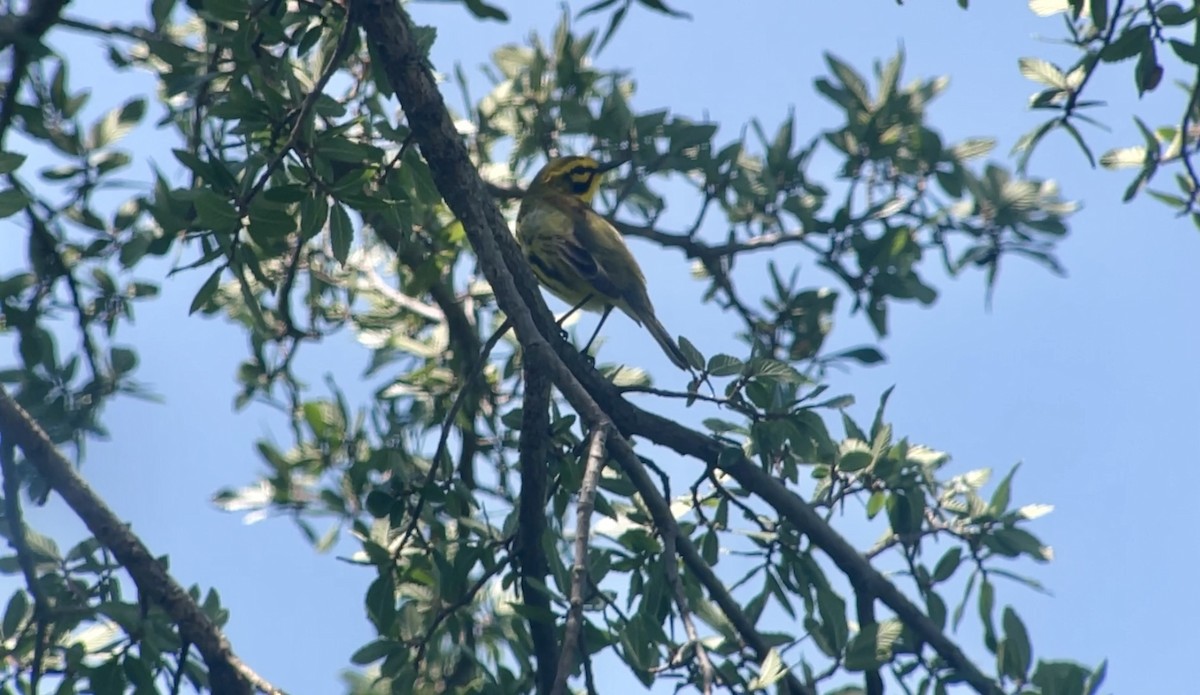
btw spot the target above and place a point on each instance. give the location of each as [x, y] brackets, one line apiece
[576, 176]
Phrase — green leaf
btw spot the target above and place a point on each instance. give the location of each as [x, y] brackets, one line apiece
[341, 232]
[1015, 651]
[1075, 135]
[1148, 72]
[1172, 15]
[1028, 142]
[1124, 157]
[12, 201]
[972, 148]
[117, 123]
[1129, 43]
[724, 365]
[485, 11]
[862, 355]
[770, 671]
[1096, 678]
[936, 608]
[207, 290]
[215, 212]
[1187, 52]
[853, 82]
[875, 503]
[17, 611]
[1042, 72]
[773, 370]
[862, 652]
[9, 161]
[694, 358]
[832, 609]
[225, 10]
[314, 212]
[596, 7]
[1048, 8]
[160, 11]
[948, 564]
[614, 22]
[124, 360]
[1012, 542]
[855, 459]
[987, 604]
[1000, 498]
[325, 420]
[374, 651]
[710, 548]
[719, 426]
[659, 6]
[1099, 10]
[1060, 678]
[43, 548]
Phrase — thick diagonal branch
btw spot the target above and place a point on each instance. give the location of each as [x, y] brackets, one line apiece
[227, 673]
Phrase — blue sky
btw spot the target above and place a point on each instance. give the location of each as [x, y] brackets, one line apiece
[1089, 381]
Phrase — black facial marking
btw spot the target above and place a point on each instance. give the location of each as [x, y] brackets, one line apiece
[579, 178]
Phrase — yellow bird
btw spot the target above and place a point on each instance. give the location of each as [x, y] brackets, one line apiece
[578, 255]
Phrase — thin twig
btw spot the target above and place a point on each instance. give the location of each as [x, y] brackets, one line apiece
[133, 33]
[670, 536]
[177, 679]
[583, 527]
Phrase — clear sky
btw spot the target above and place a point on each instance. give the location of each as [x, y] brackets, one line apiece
[1089, 381]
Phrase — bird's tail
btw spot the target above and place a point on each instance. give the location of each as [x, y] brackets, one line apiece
[666, 341]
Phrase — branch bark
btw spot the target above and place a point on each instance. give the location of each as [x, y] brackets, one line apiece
[531, 524]
[227, 673]
[583, 530]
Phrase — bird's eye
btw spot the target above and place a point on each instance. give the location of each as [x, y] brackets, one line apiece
[580, 172]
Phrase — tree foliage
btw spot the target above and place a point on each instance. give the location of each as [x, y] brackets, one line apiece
[314, 209]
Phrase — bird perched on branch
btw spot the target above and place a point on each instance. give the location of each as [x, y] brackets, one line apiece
[578, 255]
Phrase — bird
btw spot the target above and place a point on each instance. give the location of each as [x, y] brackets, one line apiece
[579, 256]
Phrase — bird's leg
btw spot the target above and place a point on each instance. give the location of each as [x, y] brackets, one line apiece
[607, 310]
[583, 302]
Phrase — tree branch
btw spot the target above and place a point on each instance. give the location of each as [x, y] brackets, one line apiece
[531, 524]
[390, 31]
[862, 576]
[583, 529]
[670, 537]
[227, 673]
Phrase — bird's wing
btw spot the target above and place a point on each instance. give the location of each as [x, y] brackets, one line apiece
[616, 270]
[586, 255]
